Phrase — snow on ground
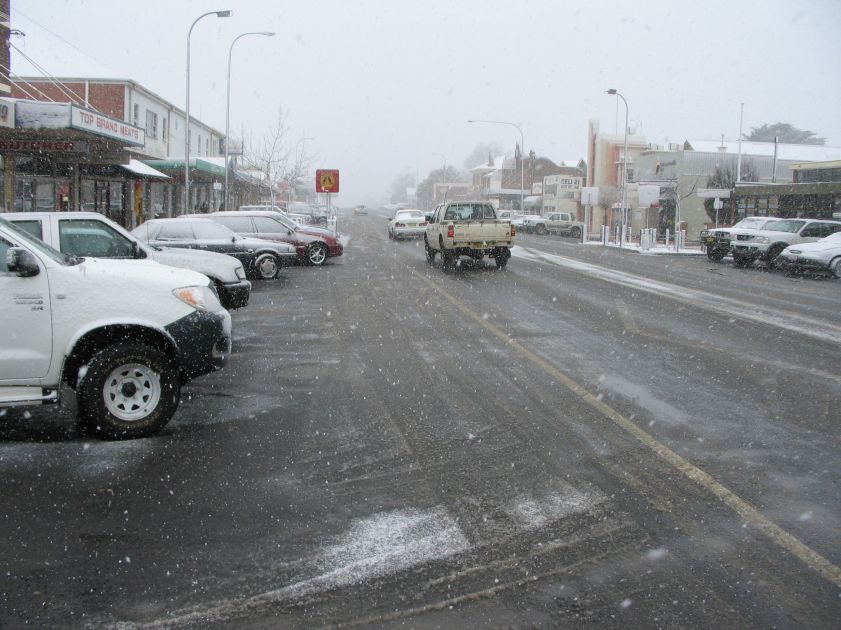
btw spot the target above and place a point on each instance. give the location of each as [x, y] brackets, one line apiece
[817, 329]
[655, 250]
[533, 512]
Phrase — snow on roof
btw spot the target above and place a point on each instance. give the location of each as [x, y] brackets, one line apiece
[498, 163]
[139, 168]
[794, 152]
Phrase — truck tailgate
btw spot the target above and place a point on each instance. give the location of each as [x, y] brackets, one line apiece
[479, 232]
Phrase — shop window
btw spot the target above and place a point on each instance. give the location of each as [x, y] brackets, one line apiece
[151, 124]
[136, 115]
[207, 146]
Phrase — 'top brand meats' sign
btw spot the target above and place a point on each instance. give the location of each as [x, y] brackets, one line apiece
[104, 126]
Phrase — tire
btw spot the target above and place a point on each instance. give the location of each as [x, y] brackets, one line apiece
[774, 253]
[715, 255]
[266, 266]
[540, 228]
[575, 232]
[430, 253]
[446, 257]
[317, 254]
[835, 267]
[501, 259]
[129, 391]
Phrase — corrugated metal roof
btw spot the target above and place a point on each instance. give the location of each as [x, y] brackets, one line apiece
[796, 152]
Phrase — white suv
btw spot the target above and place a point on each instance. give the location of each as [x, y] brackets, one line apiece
[124, 334]
[767, 245]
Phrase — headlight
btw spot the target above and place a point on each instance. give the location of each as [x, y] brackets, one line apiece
[240, 272]
[200, 298]
[760, 239]
[705, 233]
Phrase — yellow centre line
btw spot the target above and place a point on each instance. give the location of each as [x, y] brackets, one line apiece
[777, 534]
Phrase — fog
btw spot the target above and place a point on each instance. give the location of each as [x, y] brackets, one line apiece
[382, 87]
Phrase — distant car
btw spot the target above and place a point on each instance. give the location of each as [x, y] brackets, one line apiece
[823, 256]
[261, 259]
[312, 249]
[717, 240]
[360, 210]
[768, 244]
[407, 223]
[314, 213]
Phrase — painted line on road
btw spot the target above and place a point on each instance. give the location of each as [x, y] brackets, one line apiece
[817, 329]
[743, 508]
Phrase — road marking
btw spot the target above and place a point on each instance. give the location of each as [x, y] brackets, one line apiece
[817, 329]
[774, 532]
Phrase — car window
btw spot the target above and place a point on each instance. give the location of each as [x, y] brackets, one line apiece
[829, 228]
[89, 237]
[175, 230]
[786, 226]
[240, 224]
[211, 230]
[32, 227]
[267, 225]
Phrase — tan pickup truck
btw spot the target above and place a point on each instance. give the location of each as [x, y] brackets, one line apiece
[468, 228]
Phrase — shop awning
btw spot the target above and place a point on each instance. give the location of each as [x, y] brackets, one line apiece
[197, 165]
[136, 167]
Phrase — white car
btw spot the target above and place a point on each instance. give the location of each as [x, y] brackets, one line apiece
[767, 244]
[515, 217]
[717, 240]
[408, 223]
[92, 235]
[823, 255]
[124, 334]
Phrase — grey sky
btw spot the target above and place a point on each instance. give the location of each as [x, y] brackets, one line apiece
[382, 85]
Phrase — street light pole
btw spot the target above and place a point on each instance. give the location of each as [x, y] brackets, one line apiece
[228, 103]
[522, 148]
[221, 14]
[623, 209]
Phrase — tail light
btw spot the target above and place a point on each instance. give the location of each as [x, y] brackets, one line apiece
[513, 230]
[451, 231]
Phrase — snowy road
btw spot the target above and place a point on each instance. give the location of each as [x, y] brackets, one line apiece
[591, 437]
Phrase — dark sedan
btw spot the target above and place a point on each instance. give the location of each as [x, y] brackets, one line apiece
[261, 259]
[312, 245]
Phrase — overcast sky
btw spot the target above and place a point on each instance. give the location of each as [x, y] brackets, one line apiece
[381, 86]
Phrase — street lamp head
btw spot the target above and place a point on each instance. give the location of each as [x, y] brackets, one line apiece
[470, 121]
[268, 33]
[226, 13]
[611, 91]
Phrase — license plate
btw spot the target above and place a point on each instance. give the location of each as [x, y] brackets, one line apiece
[412, 225]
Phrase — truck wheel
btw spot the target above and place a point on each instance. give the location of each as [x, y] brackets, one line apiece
[540, 228]
[266, 266]
[773, 254]
[501, 258]
[129, 391]
[575, 232]
[715, 255]
[317, 254]
[430, 253]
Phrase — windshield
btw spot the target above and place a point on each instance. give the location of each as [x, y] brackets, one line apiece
[37, 244]
[606, 410]
[785, 226]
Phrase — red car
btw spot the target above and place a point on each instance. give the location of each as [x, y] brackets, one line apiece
[314, 245]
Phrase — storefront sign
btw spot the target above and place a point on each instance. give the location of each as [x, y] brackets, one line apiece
[95, 122]
[7, 113]
[43, 146]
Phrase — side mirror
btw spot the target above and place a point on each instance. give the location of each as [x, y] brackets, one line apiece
[22, 262]
[136, 252]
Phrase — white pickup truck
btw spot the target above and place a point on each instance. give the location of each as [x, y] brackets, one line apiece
[91, 235]
[468, 228]
[124, 334]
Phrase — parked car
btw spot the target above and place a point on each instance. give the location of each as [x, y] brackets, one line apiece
[823, 256]
[717, 240]
[261, 259]
[557, 223]
[311, 249]
[90, 234]
[768, 244]
[407, 223]
[124, 334]
[316, 215]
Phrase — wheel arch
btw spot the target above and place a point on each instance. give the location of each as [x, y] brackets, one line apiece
[82, 350]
